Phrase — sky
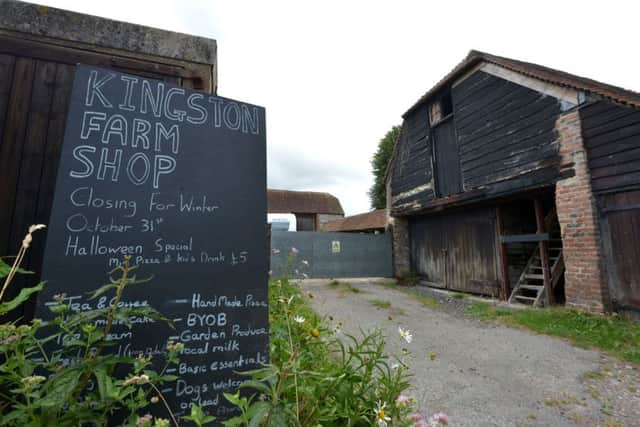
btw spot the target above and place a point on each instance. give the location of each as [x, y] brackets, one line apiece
[335, 76]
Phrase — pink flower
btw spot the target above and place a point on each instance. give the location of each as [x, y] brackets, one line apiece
[439, 419]
[144, 420]
[403, 400]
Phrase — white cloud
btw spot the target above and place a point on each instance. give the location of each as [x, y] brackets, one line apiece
[336, 75]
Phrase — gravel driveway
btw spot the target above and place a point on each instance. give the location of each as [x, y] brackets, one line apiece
[483, 374]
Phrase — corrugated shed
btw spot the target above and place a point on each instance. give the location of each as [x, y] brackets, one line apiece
[367, 221]
[303, 202]
[545, 74]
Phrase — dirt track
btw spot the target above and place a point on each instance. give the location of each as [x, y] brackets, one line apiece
[483, 374]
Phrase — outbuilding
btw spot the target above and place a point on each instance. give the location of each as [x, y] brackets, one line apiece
[523, 182]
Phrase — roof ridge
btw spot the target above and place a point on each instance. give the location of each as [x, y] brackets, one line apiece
[540, 72]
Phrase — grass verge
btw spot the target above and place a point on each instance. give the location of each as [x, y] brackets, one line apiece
[380, 303]
[427, 301]
[615, 335]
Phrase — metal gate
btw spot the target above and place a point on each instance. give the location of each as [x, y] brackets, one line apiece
[620, 222]
[457, 250]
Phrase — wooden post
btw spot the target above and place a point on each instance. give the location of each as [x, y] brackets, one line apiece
[504, 260]
[544, 254]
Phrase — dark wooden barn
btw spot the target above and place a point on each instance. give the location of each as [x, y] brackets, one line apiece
[522, 182]
[39, 48]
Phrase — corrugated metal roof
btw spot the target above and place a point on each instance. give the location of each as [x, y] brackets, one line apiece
[287, 201]
[366, 221]
[546, 74]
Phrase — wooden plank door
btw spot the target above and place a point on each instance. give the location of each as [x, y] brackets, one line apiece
[447, 164]
[456, 250]
[428, 249]
[620, 220]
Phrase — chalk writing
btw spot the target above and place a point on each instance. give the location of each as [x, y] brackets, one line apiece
[175, 179]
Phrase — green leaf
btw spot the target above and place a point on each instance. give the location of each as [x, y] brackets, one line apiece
[60, 388]
[23, 296]
[102, 289]
[105, 383]
[256, 413]
[6, 268]
[199, 417]
[232, 422]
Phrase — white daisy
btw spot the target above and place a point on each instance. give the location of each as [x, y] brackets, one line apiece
[404, 333]
[298, 319]
[381, 416]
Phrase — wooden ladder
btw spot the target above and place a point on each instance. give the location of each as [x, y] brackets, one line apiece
[530, 287]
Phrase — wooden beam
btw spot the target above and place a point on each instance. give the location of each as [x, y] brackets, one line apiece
[504, 259]
[544, 254]
[523, 238]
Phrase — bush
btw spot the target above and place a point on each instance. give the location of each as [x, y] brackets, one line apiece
[321, 376]
[78, 385]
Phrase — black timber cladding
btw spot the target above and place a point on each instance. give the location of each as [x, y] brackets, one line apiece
[412, 163]
[506, 139]
[611, 134]
[505, 131]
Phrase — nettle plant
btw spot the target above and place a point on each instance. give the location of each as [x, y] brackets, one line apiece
[80, 383]
[321, 376]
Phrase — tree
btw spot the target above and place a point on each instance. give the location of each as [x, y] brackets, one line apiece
[379, 163]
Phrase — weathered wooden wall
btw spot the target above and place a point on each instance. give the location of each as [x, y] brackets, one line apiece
[412, 171]
[36, 75]
[506, 144]
[505, 132]
[611, 135]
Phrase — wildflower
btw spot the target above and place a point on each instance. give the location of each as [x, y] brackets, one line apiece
[144, 420]
[137, 379]
[299, 319]
[403, 400]
[173, 346]
[439, 419]
[10, 339]
[314, 332]
[27, 241]
[161, 422]
[33, 380]
[395, 366]
[294, 250]
[36, 227]
[381, 416]
[305, 262]
[405, 334]
[155, 399]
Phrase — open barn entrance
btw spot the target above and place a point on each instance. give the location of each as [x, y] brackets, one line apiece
[531, 255]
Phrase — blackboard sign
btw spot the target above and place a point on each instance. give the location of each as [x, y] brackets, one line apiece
[175, 179]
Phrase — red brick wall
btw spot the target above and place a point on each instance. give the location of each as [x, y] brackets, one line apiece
[585, 275]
